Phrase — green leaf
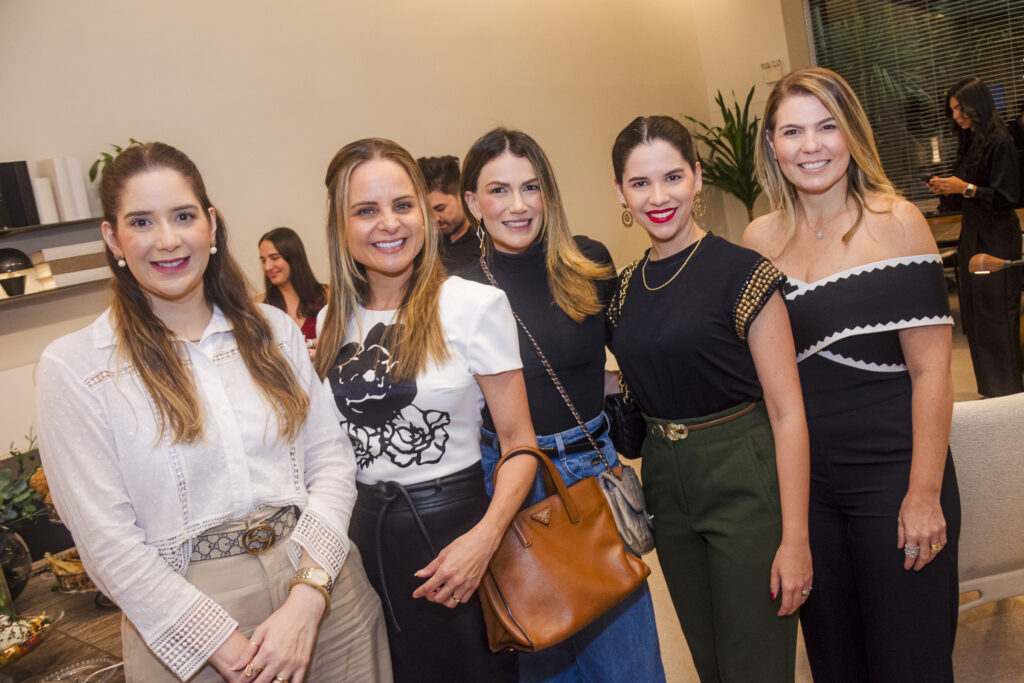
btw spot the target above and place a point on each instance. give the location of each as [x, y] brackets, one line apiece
[729, 162]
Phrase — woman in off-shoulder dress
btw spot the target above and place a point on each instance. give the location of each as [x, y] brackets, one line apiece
[871, 323]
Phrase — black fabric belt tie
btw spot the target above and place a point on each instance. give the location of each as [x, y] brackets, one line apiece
[390, 491]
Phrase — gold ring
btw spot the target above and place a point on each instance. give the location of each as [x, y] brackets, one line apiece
[457, 601]
[805, 592]
[259, 670]
[249, 669]
[936, 547]
[281, 678]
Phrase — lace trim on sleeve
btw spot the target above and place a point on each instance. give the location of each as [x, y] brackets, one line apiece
[325, 544]
[192, 639]
[762, 281]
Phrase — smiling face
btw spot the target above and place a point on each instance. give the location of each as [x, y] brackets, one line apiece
[959, 115]
[164, 236]
[809, 146]
[508, 199]
[447, 208]
[384, 222]
[274, 266]
[658, 187]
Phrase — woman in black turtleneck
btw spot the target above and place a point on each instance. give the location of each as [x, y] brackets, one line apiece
[558, 285]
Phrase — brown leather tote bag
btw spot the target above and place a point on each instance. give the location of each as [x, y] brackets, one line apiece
[560, 565]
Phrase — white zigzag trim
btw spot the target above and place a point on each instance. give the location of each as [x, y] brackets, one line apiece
[901, 324]
[804, 287]
[861, 365]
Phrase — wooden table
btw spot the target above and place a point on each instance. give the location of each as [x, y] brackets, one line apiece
[85, 632]
[946, 229]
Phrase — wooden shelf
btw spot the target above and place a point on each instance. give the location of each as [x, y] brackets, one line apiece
[36, 297]
[25, 231]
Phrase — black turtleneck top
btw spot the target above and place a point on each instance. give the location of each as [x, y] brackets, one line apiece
[575, 350]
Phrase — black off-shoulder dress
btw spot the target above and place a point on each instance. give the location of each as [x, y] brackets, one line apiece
[869, 619]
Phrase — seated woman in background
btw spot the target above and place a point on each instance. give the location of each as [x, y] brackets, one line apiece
[558, 285]
[703, 340]
[870, 315]
[194, 455]
[411, 356]
[288, 280]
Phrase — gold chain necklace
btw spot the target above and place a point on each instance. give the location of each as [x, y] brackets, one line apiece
[643, 271]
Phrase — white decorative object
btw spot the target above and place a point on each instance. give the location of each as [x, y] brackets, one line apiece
[46, 205]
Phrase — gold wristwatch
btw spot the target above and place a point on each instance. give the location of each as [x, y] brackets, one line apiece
[317, 578]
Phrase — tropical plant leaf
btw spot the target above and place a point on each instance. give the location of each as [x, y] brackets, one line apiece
[729, 161]
[106, 158]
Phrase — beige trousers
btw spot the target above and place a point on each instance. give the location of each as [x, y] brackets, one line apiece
[351, 645]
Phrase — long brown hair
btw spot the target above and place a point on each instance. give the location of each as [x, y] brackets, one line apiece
[311, 293]
[865, 172]
[571, 275]
[417, 338]
[157, 354]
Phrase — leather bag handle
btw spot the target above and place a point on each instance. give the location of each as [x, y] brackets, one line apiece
[571, 509]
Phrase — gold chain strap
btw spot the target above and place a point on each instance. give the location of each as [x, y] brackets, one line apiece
[551, 371]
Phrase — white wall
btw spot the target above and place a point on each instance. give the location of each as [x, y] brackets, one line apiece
[261, 93]
[735, 38]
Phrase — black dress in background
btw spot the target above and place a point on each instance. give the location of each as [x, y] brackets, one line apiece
[990, 304]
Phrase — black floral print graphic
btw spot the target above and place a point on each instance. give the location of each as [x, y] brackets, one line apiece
[379, 414]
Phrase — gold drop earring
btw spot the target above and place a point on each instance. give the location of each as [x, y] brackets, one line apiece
[627, 217]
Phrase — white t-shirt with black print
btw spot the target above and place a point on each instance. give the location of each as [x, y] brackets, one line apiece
[417, 430]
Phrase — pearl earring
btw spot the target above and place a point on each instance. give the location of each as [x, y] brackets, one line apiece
[121, 263]
[213, 249]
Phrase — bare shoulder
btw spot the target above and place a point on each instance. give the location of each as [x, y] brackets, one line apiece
[259, 299]
[766, 234]
[901, 227]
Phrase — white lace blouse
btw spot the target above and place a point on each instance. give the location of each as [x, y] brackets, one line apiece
[134, 501]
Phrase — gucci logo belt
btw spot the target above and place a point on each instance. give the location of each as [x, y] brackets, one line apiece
[257, 539]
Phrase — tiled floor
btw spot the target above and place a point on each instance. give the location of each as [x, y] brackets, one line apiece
[990, 638]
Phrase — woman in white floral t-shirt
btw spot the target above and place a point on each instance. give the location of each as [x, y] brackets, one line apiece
[410, 357]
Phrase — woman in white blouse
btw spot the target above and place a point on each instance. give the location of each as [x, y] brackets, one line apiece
[194, 455]
[410, 357]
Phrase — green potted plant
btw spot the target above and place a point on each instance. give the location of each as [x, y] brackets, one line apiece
[23, 497]
[729, 162]
[106, 158]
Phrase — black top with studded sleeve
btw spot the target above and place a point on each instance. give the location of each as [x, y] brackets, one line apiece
[683, 348]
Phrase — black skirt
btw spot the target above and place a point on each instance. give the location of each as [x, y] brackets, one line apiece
[429, 642]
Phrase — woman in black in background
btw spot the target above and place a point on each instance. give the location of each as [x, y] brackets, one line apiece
[985, 185]
[558, 284]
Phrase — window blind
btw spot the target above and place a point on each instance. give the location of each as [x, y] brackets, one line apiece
[900, 56]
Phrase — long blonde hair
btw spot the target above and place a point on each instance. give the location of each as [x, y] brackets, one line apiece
[417, 338]
[571, 275]
[864, 174]
[154, 352]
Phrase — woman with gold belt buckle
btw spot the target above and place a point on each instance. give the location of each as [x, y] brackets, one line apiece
[193, 454]
[699, 329]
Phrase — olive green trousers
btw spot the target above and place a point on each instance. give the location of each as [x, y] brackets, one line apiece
[717, 525]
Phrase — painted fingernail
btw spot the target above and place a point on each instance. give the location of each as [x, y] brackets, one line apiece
[772, 595]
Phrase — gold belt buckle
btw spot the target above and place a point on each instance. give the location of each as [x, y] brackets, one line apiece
[258, 539]
[673, 432]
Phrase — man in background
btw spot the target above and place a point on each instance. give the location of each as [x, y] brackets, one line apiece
[459, 245]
